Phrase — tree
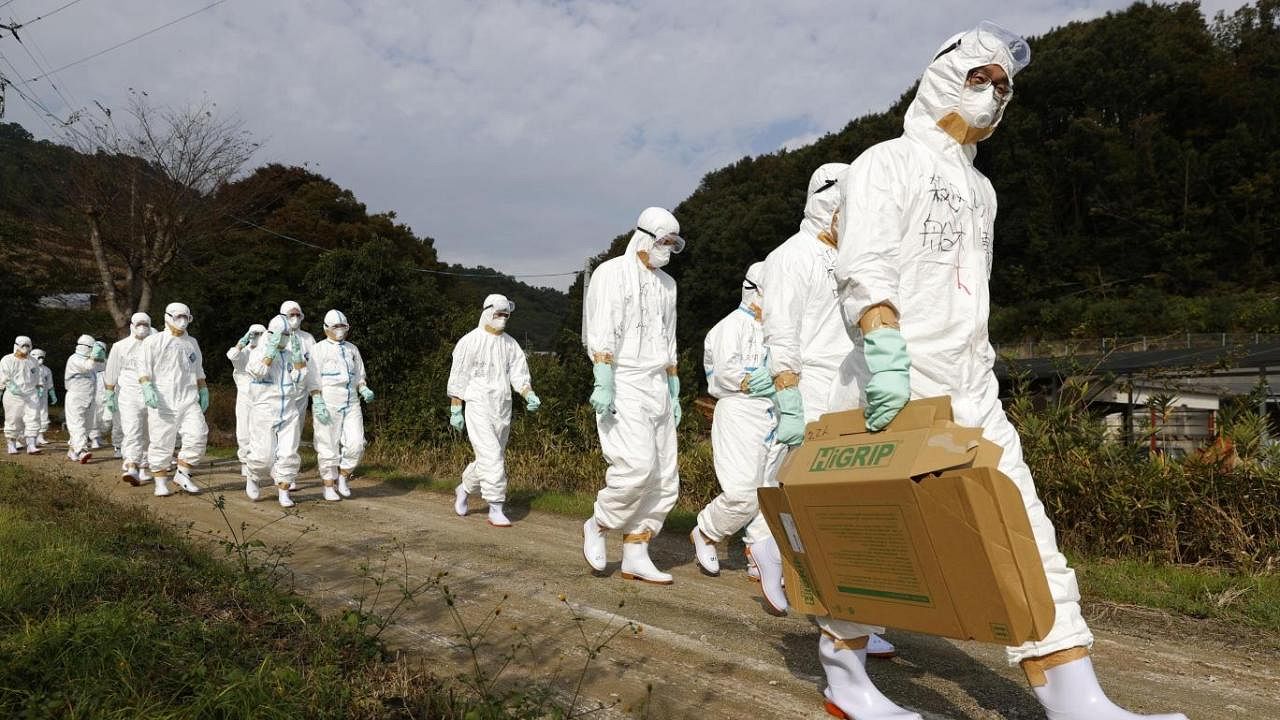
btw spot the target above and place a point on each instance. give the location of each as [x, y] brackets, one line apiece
[148, 189]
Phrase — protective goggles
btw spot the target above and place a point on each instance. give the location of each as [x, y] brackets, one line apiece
[339, 326]
[39, 354]
[511, 307]
[671, 240]
[176, 318]
[992, 38]
[749, 284]
[27, 347]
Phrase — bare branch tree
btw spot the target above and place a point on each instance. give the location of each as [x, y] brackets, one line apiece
[150, 188]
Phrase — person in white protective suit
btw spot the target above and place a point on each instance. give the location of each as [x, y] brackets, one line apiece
[106, 422]
[742, 428]
[916, 237]
[338, 384]
[807, 340]
[279, 375]
[293, 313]
[20, 377]
[487, 365]
[124, 399]
[80, 378]
[173, 387]
[629, 328]
[238, 354]
[49, 396]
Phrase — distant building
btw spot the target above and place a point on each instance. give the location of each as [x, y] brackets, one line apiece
[67, 301]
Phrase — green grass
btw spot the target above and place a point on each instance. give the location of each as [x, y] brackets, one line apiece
[1208, 593]
[106, 613]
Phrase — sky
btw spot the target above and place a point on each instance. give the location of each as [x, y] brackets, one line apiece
[522, 135]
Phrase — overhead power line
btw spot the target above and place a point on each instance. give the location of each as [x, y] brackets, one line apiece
[135, 38]
[13, 28]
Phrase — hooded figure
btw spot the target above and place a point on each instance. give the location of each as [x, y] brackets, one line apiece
[124, 397]
[629, 322]
[173, 387]
[337, 383]
[802, 325]
[487, 365]
[279, 375]
[238, 354]
[48, 397]
[80, 378]
[915, 248]
[743, 427]
[105, 420]
[20, 377]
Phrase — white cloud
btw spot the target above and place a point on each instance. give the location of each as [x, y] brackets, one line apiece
[522, 135]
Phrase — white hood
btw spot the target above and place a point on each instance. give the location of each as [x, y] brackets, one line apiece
[823, 198]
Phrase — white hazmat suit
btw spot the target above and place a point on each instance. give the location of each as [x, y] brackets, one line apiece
[629, 314]
[80, 378]
[238, 354]
[916, 235]
[487, 365]
[172, 373]
[275, 417]
[743, 427]
[50, 395]
[337, 376]
[20, 378]
[124, 367]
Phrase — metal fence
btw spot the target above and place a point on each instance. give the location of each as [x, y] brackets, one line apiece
[1101, 346]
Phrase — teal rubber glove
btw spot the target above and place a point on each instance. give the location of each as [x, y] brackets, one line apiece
[244, 341]
[790, 416]
[602, 396]
[204, 398]
[455, 418]
[149, 395]
[13, 388]
[113, 403]
[673, 389]
[321, 410]
[890, 386]
[295, 348]
[273, 343]
[532, 402]
[365, 393]
[53, 397]
[760, 383]
[40, 393]
[99, 353]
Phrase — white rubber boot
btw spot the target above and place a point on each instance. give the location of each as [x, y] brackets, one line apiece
[95, 443]
[115, 452]
[282, 494]
[1071, 692]
[594, 547]
[636, 564]
[850, 693]
[33, 449]
[753, 570]
[705, 552]
[144, 474]
[13, 448]
[130, 475]
[497, 518]
[293, 484]
[40, 440]
[251, 488]
[769, 562]
[878, 647]
[460, 501]
[184, 481]
[162, 486]
[331, 494]
[343, 488]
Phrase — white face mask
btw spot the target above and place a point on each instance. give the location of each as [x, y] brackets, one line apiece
[295, 322]
[497, 323]
[39, 361]
[83, 350]
[141, 331]
[180, 323]
[979, 106]
[659, 256]
[338, 333]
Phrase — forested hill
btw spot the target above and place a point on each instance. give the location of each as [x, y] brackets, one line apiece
[340, 254]
[1138, 173]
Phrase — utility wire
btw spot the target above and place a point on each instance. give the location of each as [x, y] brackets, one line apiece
[51, 13]
[135, 38]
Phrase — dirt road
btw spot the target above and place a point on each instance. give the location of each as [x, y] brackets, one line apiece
[707, 649]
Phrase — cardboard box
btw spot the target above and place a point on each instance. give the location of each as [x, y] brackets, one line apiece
[912, 527]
